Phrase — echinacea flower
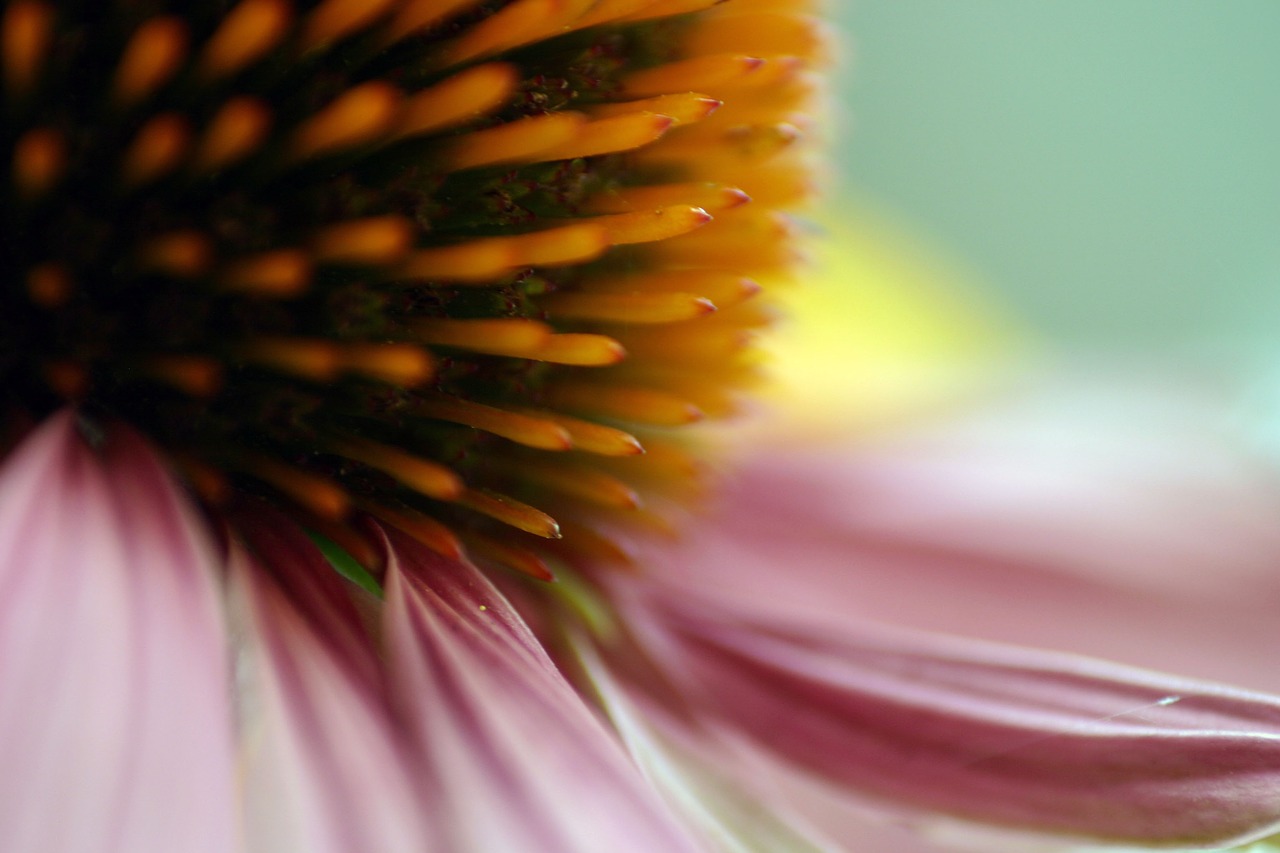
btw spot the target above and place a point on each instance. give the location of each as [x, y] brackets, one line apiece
[344, 346]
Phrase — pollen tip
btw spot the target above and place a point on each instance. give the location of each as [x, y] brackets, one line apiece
[563, 441]
[66, 379]
[735, 197]
[49, 285]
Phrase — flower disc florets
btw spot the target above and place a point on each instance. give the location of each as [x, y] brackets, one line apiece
[448, 263]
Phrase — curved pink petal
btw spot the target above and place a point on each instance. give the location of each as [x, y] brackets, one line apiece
[699, 769]
[316, 590]
[1143, 536]
[994, 733]
[115, 730]
[324, 769]
[520, 762]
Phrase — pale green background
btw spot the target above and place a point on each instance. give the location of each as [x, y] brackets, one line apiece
[1110, 168]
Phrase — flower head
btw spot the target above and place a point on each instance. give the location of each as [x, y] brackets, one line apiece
[397, 257]
[418, 290]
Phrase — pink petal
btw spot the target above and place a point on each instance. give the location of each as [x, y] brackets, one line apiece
[702, 771]
[1010, 736]
[1135, 533]
[114, 722]
[324, 768]
[315, 588]
[519, 762]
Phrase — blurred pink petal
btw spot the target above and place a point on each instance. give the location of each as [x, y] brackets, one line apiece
[1011, 736]
[323, 768]
[1135, 533]
[519, 761]
[115, 726]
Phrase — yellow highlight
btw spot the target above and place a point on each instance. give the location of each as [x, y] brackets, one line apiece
[150, 58]
[358, 116]
[237, 129]
[244, 36]
[882, 330]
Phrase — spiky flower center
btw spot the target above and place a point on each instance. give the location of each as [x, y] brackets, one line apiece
[443, 262]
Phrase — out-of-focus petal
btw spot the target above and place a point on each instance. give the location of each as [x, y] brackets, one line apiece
[994, 733]
[115, 729]
[324, 769]
[1136, 531]
[523, 763]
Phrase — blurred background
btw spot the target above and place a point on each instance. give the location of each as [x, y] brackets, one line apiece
[1107, 171]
